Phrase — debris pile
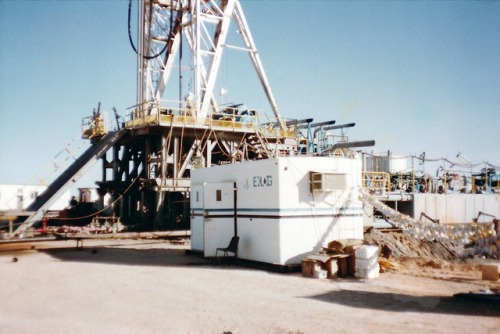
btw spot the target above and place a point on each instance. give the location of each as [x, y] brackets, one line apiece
[92, 228]
[480, 237]
[489, 247]
[395, 245]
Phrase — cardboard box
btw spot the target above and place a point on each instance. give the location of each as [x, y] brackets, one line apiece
[309, 267]
[351, 269]
[491, 271]
[343, 263]
[320, 274]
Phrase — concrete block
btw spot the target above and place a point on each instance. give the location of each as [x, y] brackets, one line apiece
[491, 271]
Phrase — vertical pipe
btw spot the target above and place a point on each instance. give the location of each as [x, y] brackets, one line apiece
[471, 179]
[141, 207]
[232, 152]
[486, 185]
[164, 156]
[147, 152]
[363, 169]
[413, 174]
[163, 174]
[444, 177]
[363, 161]
[197, 54]
[140, 52]
[235, 211]
[104, 167]
[176, 159]
[115, 162]
[180, 63]
[209, 153]
[126, 162]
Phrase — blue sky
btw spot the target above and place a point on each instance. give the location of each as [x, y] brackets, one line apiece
[414, 76]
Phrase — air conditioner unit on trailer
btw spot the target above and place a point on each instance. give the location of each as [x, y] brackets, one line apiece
[328, 181]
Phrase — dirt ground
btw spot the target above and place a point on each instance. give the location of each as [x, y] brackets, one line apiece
[152, 286]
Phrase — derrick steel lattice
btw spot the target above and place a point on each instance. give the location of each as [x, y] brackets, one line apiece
[204, 25]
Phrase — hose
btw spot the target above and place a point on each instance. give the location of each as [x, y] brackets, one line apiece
[130, 34]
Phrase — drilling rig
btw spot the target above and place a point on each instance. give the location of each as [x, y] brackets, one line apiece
[178, 123]
[171, 129]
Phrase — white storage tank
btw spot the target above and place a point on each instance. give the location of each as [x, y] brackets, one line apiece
[389, 163]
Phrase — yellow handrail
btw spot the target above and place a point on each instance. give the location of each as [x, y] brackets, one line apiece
[495, 182]
[185, 113]
[377, 181]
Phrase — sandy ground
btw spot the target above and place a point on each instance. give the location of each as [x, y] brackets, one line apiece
[152, 286]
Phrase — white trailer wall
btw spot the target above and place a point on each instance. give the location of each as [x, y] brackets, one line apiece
[19, 197]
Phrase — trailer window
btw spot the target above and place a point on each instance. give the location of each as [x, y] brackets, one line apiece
[218, 195]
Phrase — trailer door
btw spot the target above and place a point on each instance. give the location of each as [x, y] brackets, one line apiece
[197, 209]
[219, 219]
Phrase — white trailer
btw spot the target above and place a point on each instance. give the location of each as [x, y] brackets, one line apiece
[283, 209]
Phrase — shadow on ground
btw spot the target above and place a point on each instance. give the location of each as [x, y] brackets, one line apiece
[395, 302]
[140, 253]
[122, 255]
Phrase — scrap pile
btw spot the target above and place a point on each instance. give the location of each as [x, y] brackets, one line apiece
[478, 238]
[92, 228]
[395, 245]
[484, 247]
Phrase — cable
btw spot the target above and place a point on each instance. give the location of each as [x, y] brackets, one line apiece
[130, 34]
[423, 159]
[219, 145]
[98, 212]
[94, 214]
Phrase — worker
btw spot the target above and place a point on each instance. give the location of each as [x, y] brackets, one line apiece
[73, 202]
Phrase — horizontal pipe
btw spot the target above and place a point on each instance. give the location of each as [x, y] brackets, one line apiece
[398, 196]
[363, 143]
[24, 240]
[340, 126]
[313, 125]
[292, 122]
[299, 121]
[323, 123]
